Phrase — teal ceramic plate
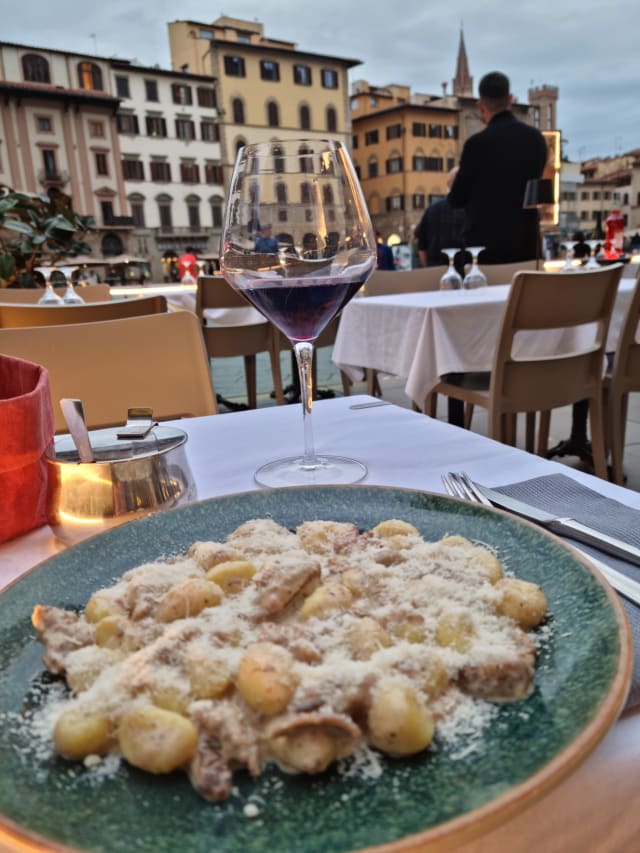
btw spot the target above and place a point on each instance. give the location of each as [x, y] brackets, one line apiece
[581, 681]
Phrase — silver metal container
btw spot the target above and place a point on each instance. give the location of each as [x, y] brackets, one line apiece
[129, 478]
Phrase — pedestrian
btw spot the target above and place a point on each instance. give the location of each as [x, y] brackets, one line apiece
[385, 254]
[495, 165]
[441, 227]
[266, 243]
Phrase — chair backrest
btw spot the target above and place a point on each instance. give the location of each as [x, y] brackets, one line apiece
[540, 301]
[625, 371]
[504, 273]
[29, 295]
[157, 360]
[228, 339]
[383, 282]
[19, 316]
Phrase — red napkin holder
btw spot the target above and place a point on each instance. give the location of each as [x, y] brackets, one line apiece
[26, 431]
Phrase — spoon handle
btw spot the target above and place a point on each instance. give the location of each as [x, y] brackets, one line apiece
[73, 412]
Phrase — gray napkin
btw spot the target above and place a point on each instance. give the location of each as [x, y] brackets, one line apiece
[561, 495]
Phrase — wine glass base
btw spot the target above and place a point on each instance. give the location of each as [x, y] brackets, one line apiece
[325, 471]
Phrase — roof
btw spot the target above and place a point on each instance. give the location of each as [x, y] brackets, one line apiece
[50, 92]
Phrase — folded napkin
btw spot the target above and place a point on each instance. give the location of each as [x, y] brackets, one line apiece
[564, 496]
[26, 431]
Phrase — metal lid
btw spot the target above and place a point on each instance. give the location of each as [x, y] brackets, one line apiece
[108, 447]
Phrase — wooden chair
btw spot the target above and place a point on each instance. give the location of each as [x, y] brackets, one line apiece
[504, 273]
[383, 282]
[225, 341]
[157, 360]
[20, 316]
[539, 301]
[623, 378]
[29, 295]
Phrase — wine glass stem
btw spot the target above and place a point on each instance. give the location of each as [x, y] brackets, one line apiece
[304, 358]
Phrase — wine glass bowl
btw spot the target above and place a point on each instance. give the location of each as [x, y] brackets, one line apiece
[70, 296]
[49, 297]
[475, 277]
[298, 244]
[451, 280]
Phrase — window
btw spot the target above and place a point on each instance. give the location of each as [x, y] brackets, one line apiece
[394, 165]
[213, 173]
[89, 76]
[35, 69]
[329, 78]
[305, 117]
[302, 75]
[273, 114]
[234, 66]
[151, 90]
[394, 131]
[596, 195]
[132, 170]
[435, 131]
[189, 173]
[127, 123]
[102, 163]
[306, 163]
[156, 126]
[372, 169]
[332, 120]
[137, 212]
[450, 131]
[354, 142]
[451, 162]
[395, 202]
[164, 214]
[216, 213]
[96, 129]
[106, 208]
[181, 94]
[122, 87]
[44, 124]
[419, 163]
[269, 70]
[281, 193]
[193, 213]
[418, 201]
[371, 137]
[584, 216]
[584, 196]
[419, 128]
[278, 160]
[160, 171]
[49, 163]
[185, 129]
[305, 193]
[327, 194]
[237, 108]
[209, 131]
[206, 96]
[434, 164]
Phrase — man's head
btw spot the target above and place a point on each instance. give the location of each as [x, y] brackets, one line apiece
[266, 229]
[494, 95]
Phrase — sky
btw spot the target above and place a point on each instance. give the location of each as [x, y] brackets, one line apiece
[587, 49]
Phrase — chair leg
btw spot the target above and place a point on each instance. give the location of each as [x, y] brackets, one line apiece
[373, 385]
[596, 421]
[346, 384]
[617, 409]
[468, 415]
[250, 376]
[530, 431]
[543, 433]
[431, 404]
[276, 373]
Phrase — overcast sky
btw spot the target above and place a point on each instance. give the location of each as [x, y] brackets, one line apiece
[588, 49]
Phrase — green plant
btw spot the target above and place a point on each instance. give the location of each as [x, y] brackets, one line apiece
[37, 229]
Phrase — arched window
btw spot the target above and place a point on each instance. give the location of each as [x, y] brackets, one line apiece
[111, 245]
[332, 120]
[165, 215]
[215, 203]
[90, 76]
[327, 194]
[193, 212]
[278, 159]
[281, 192]
[35, 68]
[237, 108]
[305, 117]
[306, 163]
[305, 193]
[273, 114]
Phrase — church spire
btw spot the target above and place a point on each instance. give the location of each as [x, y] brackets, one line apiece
[463, 81]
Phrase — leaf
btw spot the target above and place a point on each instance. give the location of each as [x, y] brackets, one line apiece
[18, 225]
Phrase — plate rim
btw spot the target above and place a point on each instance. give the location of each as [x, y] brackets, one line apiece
[482, 819]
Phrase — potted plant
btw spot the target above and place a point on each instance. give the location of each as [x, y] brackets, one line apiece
[37, 229]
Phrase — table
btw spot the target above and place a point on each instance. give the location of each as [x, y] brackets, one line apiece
[598, 807]
[423, 336]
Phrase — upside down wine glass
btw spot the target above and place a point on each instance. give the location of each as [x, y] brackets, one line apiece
[475, 277]
[301, 280]
[451, 280]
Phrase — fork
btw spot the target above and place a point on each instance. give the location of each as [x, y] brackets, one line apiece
[460, 485]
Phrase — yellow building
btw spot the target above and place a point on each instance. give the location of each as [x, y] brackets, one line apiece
[266, 88]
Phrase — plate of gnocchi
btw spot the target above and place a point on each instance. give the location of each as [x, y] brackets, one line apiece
[319, 670]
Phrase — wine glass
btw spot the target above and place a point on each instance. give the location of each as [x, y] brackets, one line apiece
[70, 297]
[568, 261]
[451, 280]
[301, 282]
[592, 263]
[49, 297]
[475, 277]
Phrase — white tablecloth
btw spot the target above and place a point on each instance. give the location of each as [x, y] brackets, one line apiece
[422, 336]
[598, 806]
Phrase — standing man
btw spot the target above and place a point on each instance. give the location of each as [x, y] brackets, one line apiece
[266, 243]
[495, 165]
[441, 227]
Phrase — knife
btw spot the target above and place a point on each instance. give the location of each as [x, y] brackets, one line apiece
[564, 526]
